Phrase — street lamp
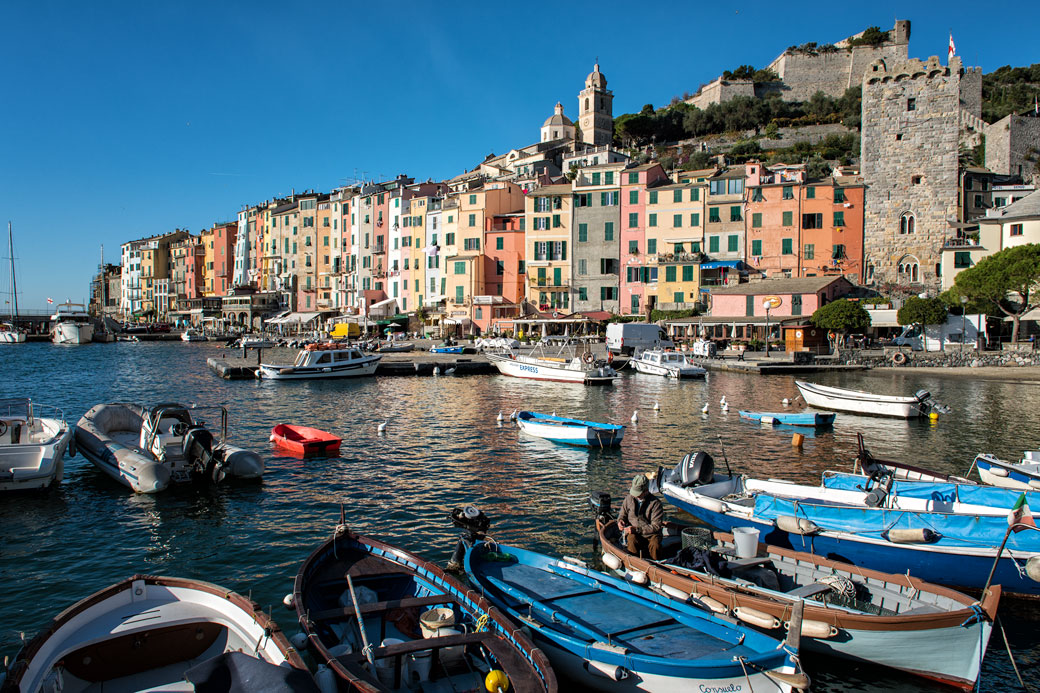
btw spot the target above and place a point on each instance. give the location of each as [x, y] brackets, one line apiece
[964, 316]
[767, 304]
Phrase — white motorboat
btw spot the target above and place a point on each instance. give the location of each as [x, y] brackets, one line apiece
[9, 334]
[32, 447]
[867, 403]
[148, 449]
[670, 364]
[249, 341]
[150, 633]
[565, 365]
[71, 324]
[1021, 476]
[193, 336]
[327, 360]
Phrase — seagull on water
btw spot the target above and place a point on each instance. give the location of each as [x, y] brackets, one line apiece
[786, 402]
[450, 371]
[500, 418]
[381, 428]
[513, 416]
[436, 370]
[704, 410]
[657, 407]
[635, 416]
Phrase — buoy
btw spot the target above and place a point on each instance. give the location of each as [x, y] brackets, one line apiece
[611, 671]
[796, 440]
[500, 417]
[635, 416]
[786, 402]
[1033, 568]
[933, 415]
[705, 409]
[637, 577]
[911, 536]
[769, 420]
[381, 428]
[756, 617]
[674, 592]
[796, 525]
[657, 407]
[997, 471]
[326, 679]
[815, 629]
[496, 680]
[612, 561]
[450, 371]
[723, 400]
[711, 504]
[299, 641]
[288, 601]
[714, 604]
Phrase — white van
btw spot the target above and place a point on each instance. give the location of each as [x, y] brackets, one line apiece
[628, 337]
[958, 329]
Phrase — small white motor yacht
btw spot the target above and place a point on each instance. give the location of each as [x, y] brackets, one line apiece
[148, 449]
[71, 324]
[327, 360]
[193, 336]
[32, 447]
[670, 364]
[9, 334]
[150, 633]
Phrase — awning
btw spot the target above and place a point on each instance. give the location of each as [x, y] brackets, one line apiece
[384, 302]
[395, 320]
[457, 321]
[293, 318]
[733, 264]
[597, 315]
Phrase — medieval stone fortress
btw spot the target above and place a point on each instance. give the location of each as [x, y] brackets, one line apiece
[583, 221]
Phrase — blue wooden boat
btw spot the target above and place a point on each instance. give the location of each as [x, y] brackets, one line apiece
[562, 429]
[946, 491]
[949, 543]
[445, 349]
[801, 418]
[1024, 475]
[610, 634]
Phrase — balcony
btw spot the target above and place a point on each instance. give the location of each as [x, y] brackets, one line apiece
[965, 243]
[663, 258]
[548, 283]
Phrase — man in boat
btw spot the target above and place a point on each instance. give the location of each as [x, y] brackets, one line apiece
[640, 520]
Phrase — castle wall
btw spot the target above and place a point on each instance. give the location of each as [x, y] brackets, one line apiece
[1013, 146]
[909, 164]
[804, 74]
[720, 91]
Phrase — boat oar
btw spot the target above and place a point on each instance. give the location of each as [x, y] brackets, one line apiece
[361, 624]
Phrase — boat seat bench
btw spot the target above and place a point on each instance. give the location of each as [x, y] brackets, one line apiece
[745, 563]
[382, 607]
[808, 591]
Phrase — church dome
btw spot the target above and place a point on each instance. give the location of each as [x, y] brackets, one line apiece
[557, 118]
[596, 80]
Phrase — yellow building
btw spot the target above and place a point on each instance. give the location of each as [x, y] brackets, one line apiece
[674, 238]
[547, 220]
[413, 224]
[155, 273]
[207, 262]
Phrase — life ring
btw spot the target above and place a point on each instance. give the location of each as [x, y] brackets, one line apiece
[587, 357]
[899, 358]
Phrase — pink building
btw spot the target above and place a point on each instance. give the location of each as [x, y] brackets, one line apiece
[224, 236]
[634, 275]
[797, 297]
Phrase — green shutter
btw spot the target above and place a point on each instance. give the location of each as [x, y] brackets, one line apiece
[557, 276]
[788, 218]
[651, 220]
[713, 244]
[732, 243]
[839, 219]
[810, 193]
[695, 195]
[608, 231]
[756, 248]
[695, 219]
[633, 197]
[677, 221]
[653, 197]
[687, 273]
[669, 273]
[583, 233]
[786, 246]
[651, 246]
[633, 220]
[756, 220]
[563, 250]
[677, 195]
[459, 294]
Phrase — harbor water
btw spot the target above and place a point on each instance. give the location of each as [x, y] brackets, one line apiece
[442, 448]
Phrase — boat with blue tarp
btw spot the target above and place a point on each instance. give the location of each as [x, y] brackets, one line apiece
[563, 429]
[801, 418]
[947, 491]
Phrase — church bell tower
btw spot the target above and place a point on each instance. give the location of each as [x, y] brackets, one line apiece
[596, 109]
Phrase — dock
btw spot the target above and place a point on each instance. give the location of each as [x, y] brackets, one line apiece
[774, 366]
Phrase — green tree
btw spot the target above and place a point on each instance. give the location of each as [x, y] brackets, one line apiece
[841, 316]
[1005, 281]
[922, 311]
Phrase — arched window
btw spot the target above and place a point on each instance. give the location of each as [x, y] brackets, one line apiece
[907, 223]
[908, 270]
[586, 103]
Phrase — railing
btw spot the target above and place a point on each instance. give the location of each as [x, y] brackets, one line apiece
[680, 257]
[548, 283]
[961, 243]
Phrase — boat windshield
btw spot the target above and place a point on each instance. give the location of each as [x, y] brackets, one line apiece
[15, 407]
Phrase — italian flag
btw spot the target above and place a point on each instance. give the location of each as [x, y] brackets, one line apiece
[1020, 515]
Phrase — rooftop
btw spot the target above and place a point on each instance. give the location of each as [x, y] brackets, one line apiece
[1026, 208]
[804, 285]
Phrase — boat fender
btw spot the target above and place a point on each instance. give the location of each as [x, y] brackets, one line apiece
[1034, 483]
[299, 641]
[815, 629]
[674, 592]
[899, 358]
[610, 671]
[637, 577]
[289, 601]
[611, 561]
[997, 471]
[911, 536]
[326, 679]
[71, 449]
[712, 604]
[1033, 568]
[711, 504]
[756, 617]
[796, 525]
[767, 420]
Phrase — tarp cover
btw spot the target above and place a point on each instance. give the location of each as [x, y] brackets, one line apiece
[236, 671]
[940, 491]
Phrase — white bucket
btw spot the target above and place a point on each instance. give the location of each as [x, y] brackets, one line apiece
[434, 619]
[746, 540]
[385, 666]
[451, 654]
[419, 665]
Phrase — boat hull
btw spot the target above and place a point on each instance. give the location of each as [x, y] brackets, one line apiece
[9, 337]
[571, 431]
[366, 366]
[72, 333]
[1021, 476]
[677, 372]
[35, 465]
[854, 402]
[305, 441]
[793, 419]
[536, 369]
[447, 350]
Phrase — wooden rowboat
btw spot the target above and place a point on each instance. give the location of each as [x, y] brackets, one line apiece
[304, 440]
[865, 403]
[801, 418]
[562, 429]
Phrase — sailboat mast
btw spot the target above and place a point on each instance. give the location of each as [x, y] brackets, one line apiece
[14, 282]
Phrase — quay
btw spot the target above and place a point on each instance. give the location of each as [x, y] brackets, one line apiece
[774, 366]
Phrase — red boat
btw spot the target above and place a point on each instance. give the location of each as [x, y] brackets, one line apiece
[304, 440]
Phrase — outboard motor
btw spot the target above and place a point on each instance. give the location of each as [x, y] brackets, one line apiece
[922, 395]
[878, 487]
[601, 502]
[199, 453]
[474, 524]
[695, 469]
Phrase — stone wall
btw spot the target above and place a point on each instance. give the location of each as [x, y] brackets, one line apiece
[909, 146]
[787, 137]
[720, 91]
[1013, 146]
[804, 74]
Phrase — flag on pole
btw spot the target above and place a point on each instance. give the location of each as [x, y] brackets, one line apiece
[1020, 515]
[50, 301]
[953, 49]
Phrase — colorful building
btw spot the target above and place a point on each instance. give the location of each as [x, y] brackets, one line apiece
[547, 217]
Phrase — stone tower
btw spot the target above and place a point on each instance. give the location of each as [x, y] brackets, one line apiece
[913, 116]
[596, 109]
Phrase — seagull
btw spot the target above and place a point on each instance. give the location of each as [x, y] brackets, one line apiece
[725, 407]
[705, 409]
[723, 400]
[450, 371]
[786, 402]
[657, 407]
[500, 417]
[512, 417]
[436, 370]
[635, 416]
[381, 428]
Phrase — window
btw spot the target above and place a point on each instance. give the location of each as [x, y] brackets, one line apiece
[633, 197]
[695, 219]
[735, 186]
[962, 259]
[500, 243]
[734, 213]
[756, 220]
[608, 293]
[786, 246]
[796, 304]
[713, 215]
[634, 303]
[583, 293]
[608, 231]
[595, 178]
[677, 195]
[459, 294]
[633, 247]
[788, 218]
[521, 267]
[839, 195]
[653, 198]
[633, 220]
[713, 244]
[583, 233]
[687, 273]
[812, 221]
[471, 244]
[749, 305]
[732, 243]
[788, 192]
[460, 268]
[583, 200]
[756, 248]
[583, 267]
[915, 180]
[610, 199]
[633, 178]
[608, 265]
[908, 269]
[907, 223]
[810, 193]
[541, 223]
[541, 204]
[756, 195]
[1016, 230]
[839, 219]
[651, 246]
[651, 220]
[911, 104]
[717, 187]
[808, 251]
[608, 178]
[669, 273]
[556, 221]
[677, 221]
[838, 252]
[472, 219]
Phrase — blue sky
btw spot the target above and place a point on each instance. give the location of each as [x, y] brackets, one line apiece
[121, 120]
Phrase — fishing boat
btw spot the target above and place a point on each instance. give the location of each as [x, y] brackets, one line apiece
[1023, 475]
[147, 449]
[849, 612]
[249, 341]
[447, 349]
[193, 336]
[32, 447]
[71, 324]
[396, 348]
[670, 364]
[562, 429]
[150, 633]
[802, 418]
[610, 634]
[320, 361]
[563, 365]
[944, 491]
[381, 618]
[304, 440]
[867, 403]
[949, 543]
[9, 334]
